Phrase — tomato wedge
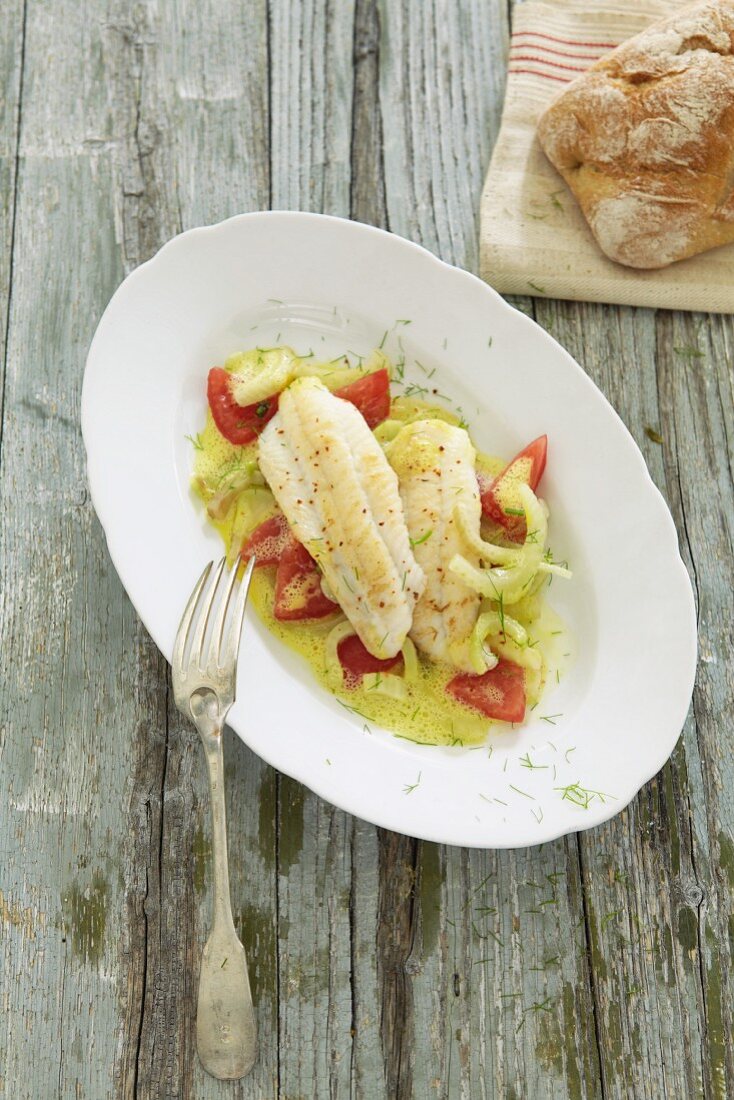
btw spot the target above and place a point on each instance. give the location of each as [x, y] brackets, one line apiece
[269, 541]
[499, 693]
[298, 592]
[371, 395]
[239, 424]
[500, 499]
[357, 661]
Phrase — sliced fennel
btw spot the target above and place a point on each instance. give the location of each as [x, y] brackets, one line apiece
[230, 486]
[410, 660]
[555, 569]
[258, 374]
[524, 655]
[387, 430]
[385, 683]
[332, 666]
[488, 551]
[490, 624]
[510, 581]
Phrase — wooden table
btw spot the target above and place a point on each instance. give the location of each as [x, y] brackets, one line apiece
[596, 966]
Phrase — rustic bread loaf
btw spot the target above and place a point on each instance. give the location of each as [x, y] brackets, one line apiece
[645, 139]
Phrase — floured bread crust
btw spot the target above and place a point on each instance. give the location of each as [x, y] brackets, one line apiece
[645, 139]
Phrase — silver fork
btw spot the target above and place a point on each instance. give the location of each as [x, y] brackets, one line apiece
[204, 667]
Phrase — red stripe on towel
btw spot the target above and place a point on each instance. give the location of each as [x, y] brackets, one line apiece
[559, 53]
[548, 76]
[566, 41]
[555, 64]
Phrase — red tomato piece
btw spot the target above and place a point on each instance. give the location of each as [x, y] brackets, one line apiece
[239, 424]
[298, 592]
[357, 661]
[371, 395]
[269, 541]
[499, 693]
[500, 499]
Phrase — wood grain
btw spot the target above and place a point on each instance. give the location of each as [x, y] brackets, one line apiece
[70, 671]
[596, 966]
[12, 57]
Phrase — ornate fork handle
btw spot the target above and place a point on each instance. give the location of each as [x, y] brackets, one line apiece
[226, 1035]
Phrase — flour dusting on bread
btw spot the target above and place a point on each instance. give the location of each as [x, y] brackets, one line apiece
[636, 225]
[645, 139]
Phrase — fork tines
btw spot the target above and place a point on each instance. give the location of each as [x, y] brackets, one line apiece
[209, 633]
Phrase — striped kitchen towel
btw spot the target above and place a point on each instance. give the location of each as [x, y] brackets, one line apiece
[534, 238]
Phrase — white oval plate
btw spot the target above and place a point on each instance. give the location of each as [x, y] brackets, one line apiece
[328, 284]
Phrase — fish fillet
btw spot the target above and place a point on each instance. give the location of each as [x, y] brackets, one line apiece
[435, 464]
[340, 496]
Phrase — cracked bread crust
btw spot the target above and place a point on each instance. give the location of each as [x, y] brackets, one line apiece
[645, 139]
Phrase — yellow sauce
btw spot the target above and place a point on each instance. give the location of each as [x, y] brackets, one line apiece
[427, 715]
[217, 465]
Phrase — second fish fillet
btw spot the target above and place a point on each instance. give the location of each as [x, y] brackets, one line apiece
[435, 463]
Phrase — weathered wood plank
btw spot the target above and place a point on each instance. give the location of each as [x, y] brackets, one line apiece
[497, 988]
[195, 151]
[441, 74]
[660, 956]
[12, 56]
[73, 653]
[214, 74]
[368, 1066]
[314, 857]
[694, 361]
[311, 131]
[628, 923]
[381, 863]
[114, 953]
[311, 100]
[78, 666]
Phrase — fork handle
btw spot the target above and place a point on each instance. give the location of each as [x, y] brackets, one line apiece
[226, 1035]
